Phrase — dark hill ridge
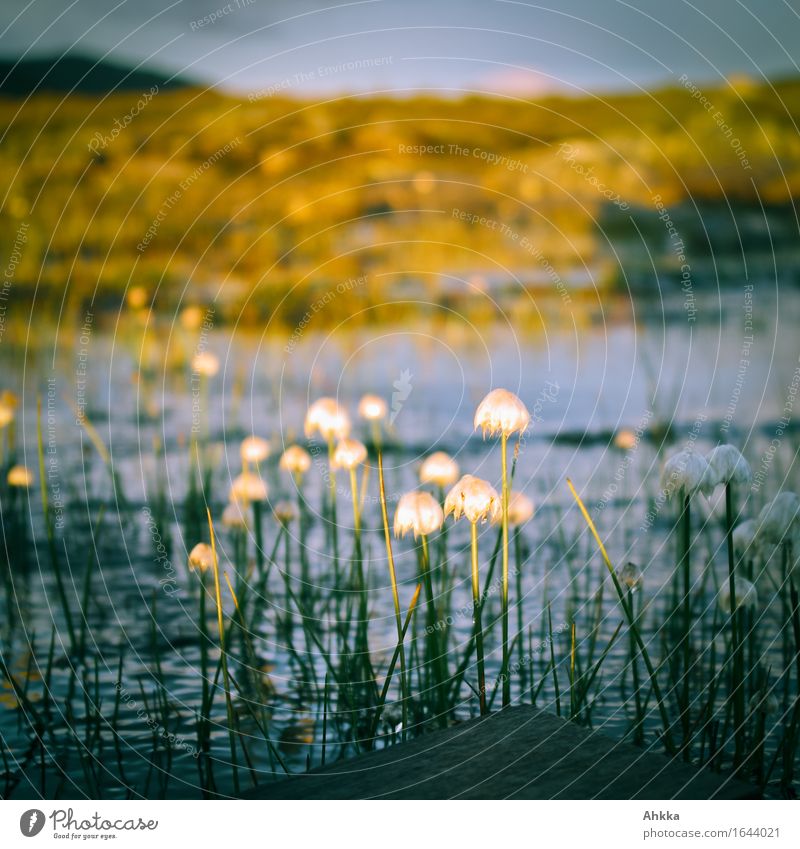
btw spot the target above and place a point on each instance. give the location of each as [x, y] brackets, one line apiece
[61, 74]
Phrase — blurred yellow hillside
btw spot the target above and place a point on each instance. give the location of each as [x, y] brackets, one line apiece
[250, 201]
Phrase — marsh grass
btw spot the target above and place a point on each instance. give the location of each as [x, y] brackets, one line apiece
[709, 700]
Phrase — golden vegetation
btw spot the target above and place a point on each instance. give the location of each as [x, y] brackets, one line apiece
[266, 204]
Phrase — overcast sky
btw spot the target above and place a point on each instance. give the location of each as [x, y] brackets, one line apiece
[307, 47]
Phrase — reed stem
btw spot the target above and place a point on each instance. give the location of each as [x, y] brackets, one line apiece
[477, 603]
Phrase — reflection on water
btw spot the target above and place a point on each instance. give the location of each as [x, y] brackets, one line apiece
[639, 364]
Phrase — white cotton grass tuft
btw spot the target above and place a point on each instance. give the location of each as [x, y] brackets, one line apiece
[684, 471]
[744, 538]
[520, 508]
[247, 488]
[501, 413]
[778, 521]
[746, 596]
[631, 576]
[234, 517]
[439, 469]
[417, 512]
[372, 408]
[295, 460]
[349, 454]
[328, 418]
[726, 465]
[474, 498]
[201, 558]
[254, 449]
[20, 476]
[205, 364]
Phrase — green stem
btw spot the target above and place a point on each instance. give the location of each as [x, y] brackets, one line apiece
[686, 642]
[505, 668]
[259, 533]
[476, 619]
[395, 595]
[737, 682]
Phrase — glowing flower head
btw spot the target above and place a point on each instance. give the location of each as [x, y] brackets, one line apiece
[520, 508]
[248, 487]
[418, 512]
[746, 596]
[684, 471]
[234, 517]
[205, 364]
[20, 476]
[201, 558]
[295, 460]
[348, 454]
[254, 449]
[326, 417]
[439, 469]
[625, 439]
[474, 498]
[285, 512]
[726, 465]
[779, 519]
[372, 408]
[501, 412]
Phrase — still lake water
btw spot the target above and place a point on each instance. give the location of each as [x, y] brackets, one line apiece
[585, 373]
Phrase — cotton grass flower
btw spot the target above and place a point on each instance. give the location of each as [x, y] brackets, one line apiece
[285, 512]
[520, 509]
[205, 364]
[746, 596]
[349, 454]
[474, 498]
[478, 501]
[684, 471]
[254, 450]
[417, 512]
[295, 460]
[744, 538]
[439, 469]
[625, 439]
[726, 465]
[631, 576]
[501, 413]
[372, 408]
[201, 558]
[20, 476]
[778, 521]
[326, 417]
[234, 517]
[248, 488]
